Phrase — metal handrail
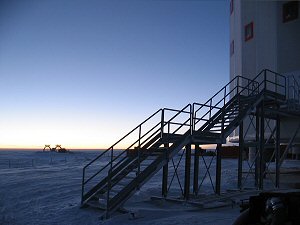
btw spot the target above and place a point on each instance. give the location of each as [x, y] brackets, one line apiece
[178, 113]
[110, 149]
[196, 103]
[130, 132]
[294, 87]
[225, 86]
[253, 86]
[152, 133]
[223, 99]
[138, 150]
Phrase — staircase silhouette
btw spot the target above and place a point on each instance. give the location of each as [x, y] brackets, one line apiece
[114, 176]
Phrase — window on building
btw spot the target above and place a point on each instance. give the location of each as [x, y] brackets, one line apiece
[290, 11]
[231, 6]
[249, 31]
[232, 48]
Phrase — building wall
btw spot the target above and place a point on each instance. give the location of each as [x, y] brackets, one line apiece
[260, 52]
[266, 35]
[235, 35]
[275, 45]
[248, 47]
[288, 48]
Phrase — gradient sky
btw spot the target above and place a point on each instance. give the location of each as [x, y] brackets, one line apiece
[83, 73]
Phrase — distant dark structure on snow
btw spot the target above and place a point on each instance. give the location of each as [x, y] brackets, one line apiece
[57, 148]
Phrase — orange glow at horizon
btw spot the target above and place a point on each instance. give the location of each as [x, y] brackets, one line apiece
[72, 139]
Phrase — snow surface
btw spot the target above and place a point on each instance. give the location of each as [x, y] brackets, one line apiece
[40, 188]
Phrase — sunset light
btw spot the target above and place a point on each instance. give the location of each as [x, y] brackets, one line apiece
[83, 75]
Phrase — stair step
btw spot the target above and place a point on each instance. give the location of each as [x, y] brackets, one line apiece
[229, 118]
[215, 130]
[145, 165]
[123, 183]
[130, 177]
[96, 204]
[217, 125]
[141, 169]
[226, 120]
[157, 153]
[150, 158]
[231, 109]
[231, 113]
[100, 195]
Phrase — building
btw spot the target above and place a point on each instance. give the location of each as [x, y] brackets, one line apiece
[264, 35]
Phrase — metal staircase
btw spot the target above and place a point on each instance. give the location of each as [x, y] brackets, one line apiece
[129, 169]
[114, 176]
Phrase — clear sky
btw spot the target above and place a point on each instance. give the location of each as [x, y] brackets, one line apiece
[82, 73]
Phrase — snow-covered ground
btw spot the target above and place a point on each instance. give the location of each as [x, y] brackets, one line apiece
[40, 188]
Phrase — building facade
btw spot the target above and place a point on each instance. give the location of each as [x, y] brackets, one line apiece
[264, 35]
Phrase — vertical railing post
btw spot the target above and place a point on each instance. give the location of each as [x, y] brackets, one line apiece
[191, 119]
[162, 123]
[210, 107]
[223, 122]
[225, 92]
[223, 114]
[109, 183]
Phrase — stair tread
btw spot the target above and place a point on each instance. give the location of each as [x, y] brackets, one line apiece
[96, 204]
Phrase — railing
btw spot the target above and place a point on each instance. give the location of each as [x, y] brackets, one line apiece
[162, 122]
[219, 100]
[114, 154]
[272, 81]
[293, 93]
[171, 121]
[265, 80]
[174, 124]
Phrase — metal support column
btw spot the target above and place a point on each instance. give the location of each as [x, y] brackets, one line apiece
[196, 169]
[241, 150]
[261, 148]
[277, 152]
[187, 175]
[218, 169]
[164, 189]
[256, 148]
